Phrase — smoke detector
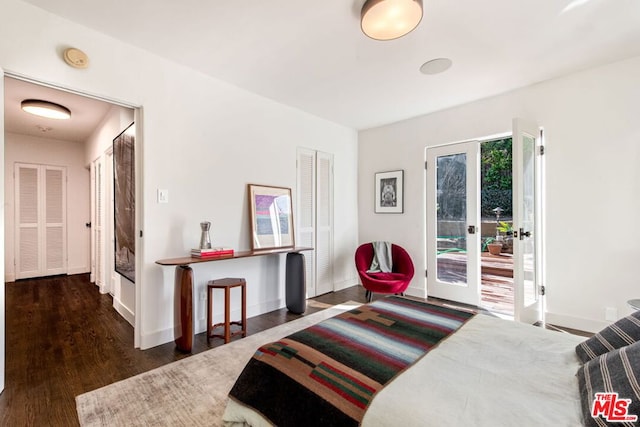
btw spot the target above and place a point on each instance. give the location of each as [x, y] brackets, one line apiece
[76, 58]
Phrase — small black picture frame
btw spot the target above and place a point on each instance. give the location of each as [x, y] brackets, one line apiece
[389, 192]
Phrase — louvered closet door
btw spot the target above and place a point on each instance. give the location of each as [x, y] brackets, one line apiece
[324, 223]
[27, 236]
[315, 218]
[98, 222]
[306, 214]
[41, 246]
[55, 233]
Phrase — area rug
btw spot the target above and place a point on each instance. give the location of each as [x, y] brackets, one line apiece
[190, 392]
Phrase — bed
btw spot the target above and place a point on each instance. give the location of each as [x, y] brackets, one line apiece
[440, 367]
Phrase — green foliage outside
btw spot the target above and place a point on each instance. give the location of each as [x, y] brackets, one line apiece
[496, 175]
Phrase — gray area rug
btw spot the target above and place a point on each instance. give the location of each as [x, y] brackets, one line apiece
[190, 392]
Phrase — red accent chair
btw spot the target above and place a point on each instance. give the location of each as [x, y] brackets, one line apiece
[395, 282]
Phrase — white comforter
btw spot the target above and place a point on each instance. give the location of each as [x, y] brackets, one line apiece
[491, 372]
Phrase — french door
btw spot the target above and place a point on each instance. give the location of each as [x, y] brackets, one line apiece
[453, 222]
[453, 219]
[527, 221]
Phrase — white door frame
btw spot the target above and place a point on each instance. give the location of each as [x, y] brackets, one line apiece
[138, 147]
[2, 240]
[92, 242]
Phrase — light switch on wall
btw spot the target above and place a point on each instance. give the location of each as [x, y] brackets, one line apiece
[163, 196]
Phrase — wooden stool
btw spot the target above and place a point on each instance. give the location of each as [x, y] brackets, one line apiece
[226, 284]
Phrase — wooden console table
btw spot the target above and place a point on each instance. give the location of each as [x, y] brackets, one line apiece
[184, 286]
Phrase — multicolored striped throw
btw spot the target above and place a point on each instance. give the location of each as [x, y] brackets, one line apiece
[328, 373]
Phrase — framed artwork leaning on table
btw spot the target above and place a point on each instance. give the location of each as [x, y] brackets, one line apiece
[271, 216]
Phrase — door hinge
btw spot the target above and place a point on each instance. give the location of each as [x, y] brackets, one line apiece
[140, 233]
[542, 150]
[426, 273]
[425, 165]
[543, 290]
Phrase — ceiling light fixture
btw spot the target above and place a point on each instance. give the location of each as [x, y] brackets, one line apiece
[46, 109]
[390, 19]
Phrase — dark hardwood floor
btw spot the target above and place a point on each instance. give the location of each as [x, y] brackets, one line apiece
[63, 338]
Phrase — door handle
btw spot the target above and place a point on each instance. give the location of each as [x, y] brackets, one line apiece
[471, 229]
[524, 234]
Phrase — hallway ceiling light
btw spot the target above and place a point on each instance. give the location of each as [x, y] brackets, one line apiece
[46, 109]
[390, 19]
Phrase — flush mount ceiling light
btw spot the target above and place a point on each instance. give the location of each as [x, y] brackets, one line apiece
[46, 109]
[390, 19]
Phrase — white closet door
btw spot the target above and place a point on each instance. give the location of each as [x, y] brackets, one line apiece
[306, 214]
[324, 223]
[55, 224]
[27, 179]
[108, 225]
[99, 223]
[41, 235]
[315, 218]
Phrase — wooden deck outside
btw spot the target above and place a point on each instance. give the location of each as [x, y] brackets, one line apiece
[496, 278]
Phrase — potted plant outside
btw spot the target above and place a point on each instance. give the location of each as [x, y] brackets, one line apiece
[494, 246]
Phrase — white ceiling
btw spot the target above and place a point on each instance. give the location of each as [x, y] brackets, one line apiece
[86, 113]
[312, 55]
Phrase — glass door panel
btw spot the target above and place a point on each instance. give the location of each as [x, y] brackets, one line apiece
[527, 229]
[451, 207]
[452, 218]
[528, 246]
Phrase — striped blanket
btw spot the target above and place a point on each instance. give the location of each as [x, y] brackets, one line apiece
[328, 373]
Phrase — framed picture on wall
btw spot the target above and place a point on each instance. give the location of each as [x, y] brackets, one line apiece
[389, 188]
[271, 217]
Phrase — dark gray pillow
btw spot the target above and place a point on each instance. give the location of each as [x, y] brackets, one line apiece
[624, 332]
[617, 371]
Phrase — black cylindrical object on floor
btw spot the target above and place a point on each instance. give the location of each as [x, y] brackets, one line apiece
[295, 283]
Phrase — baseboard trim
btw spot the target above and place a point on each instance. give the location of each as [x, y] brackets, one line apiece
[78, 270]
[416, 292]
[200, 323]
[10, 277]
[124, 311]
[338, 286]
[236, 313]
[580, 323]
[156, 338]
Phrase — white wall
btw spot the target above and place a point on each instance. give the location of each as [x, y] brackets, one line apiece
[29, 149]
[115, 121]
[593, 183]
[204, 140]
